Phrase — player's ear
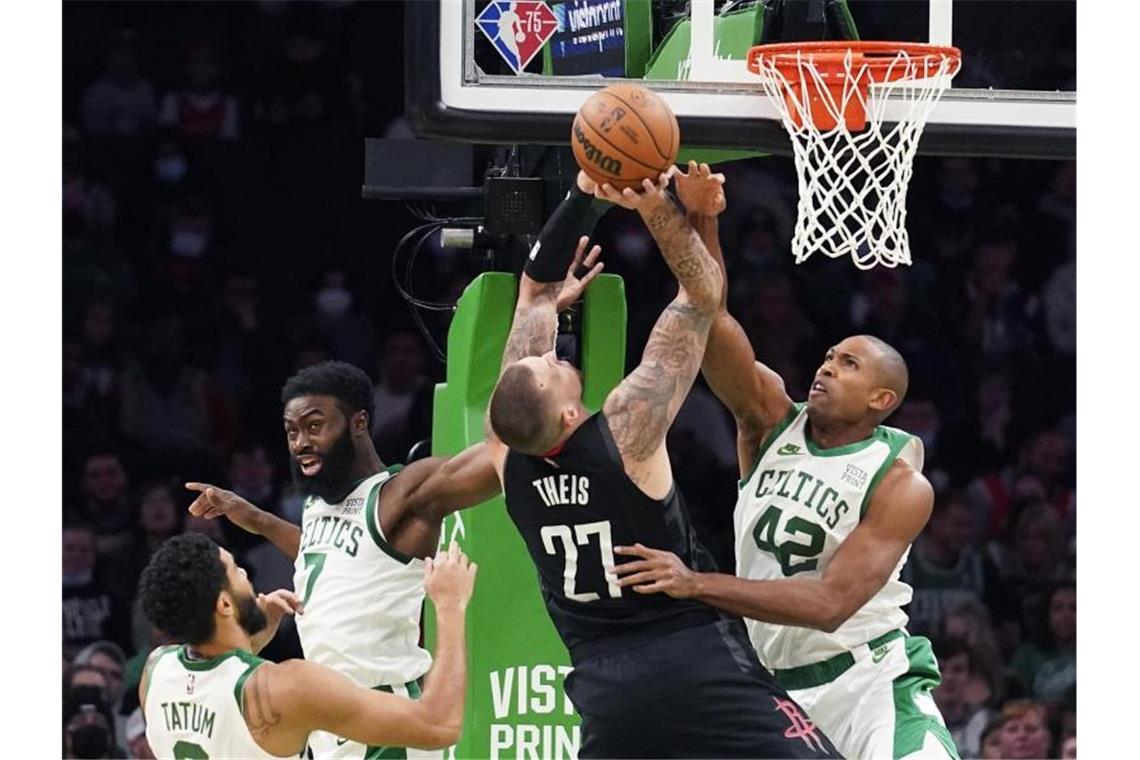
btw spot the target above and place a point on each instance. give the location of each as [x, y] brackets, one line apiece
[359, 422]
[225, 604]
[570, 415]
[884, 400]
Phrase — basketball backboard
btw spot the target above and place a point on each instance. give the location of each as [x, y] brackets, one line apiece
[1015, 95]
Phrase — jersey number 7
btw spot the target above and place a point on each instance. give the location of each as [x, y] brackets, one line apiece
[581, 535]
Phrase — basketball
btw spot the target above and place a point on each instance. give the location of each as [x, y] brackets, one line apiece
[623, 134]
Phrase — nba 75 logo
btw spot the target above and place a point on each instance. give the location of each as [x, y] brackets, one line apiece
[517, 29]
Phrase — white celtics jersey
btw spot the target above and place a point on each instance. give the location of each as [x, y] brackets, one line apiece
[193, 708]
[794, 510]
[362, 598]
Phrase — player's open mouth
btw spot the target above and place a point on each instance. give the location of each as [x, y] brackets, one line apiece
[310, 465]
[817, 387]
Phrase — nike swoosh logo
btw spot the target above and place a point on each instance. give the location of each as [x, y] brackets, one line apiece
[341, 742]
[878, 655]
[787, 449]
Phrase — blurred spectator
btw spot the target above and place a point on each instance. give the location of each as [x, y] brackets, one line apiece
[970, 623]
[137, 744]
[305, 87]
[121, 102]
[962, 704]
[1041, 476]
[1049, 663]
[1024, 732]
[109, 659]
[1036, 561]
[251, 476]
[1069, 748]
[998, 318]
[168, 405]
[90, 611]
[401, 370]
[347, 331]
[201, 109]
[105, 503]
[249, 365]
[1060, 297]
[946, 569]
[88, 205]
[986, 437]
[991, 741]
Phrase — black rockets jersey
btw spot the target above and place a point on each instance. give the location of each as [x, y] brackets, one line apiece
[572, 508]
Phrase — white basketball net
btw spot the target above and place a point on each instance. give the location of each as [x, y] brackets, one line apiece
[852, 185]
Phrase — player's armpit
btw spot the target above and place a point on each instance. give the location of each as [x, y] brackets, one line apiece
[641, 409]
[323, 699]
[437, 486]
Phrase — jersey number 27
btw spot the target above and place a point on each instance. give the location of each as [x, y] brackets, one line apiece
[571, 537]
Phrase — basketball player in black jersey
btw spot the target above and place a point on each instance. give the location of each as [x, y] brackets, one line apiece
[653, 676]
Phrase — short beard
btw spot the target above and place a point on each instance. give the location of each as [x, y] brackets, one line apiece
[249, 616]
[333, 482]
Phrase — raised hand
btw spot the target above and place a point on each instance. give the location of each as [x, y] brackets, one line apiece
[650, 193]
[573, 286]
[700, 191]
[449, 578]
[274, 605]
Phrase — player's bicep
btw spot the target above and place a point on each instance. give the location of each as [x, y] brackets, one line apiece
[865, 561]
[641, 409]
[440, 486]
[752, 392]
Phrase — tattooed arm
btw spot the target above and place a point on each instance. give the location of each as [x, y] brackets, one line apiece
[641, 409]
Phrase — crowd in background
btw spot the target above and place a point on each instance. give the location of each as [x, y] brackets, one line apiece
[215, 242]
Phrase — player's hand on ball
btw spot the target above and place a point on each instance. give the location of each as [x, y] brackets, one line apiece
[585, 184]
[449, 578]
[700, 191]
[574, 286]
[649, 193]
[213, 502]
[655, 571]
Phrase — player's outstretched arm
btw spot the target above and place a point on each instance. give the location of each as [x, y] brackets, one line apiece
[213, 502]
[752, 392]
[548, 283]
[434, 487]
[641, 409]
[860, 568]
[284, 703]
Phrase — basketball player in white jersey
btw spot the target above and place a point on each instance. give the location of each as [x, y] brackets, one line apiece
[365, 529]
[212, 697]
[830, 502]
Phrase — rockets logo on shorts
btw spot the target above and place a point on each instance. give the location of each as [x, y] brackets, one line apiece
[518, 29]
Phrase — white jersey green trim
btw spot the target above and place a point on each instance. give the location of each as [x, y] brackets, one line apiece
[363, 598]
[795, 508]
[193, 707]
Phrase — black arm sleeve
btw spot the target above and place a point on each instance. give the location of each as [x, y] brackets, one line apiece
[575, 216]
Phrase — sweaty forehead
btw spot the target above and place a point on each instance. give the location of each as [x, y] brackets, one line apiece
[302, 406]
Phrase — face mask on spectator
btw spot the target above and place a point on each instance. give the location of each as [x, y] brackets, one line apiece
[170, 169]
[188, 243]
[89, 741]
[334, 301]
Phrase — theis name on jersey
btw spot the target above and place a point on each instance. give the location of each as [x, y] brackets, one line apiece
[332, 531]
[563, 490]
